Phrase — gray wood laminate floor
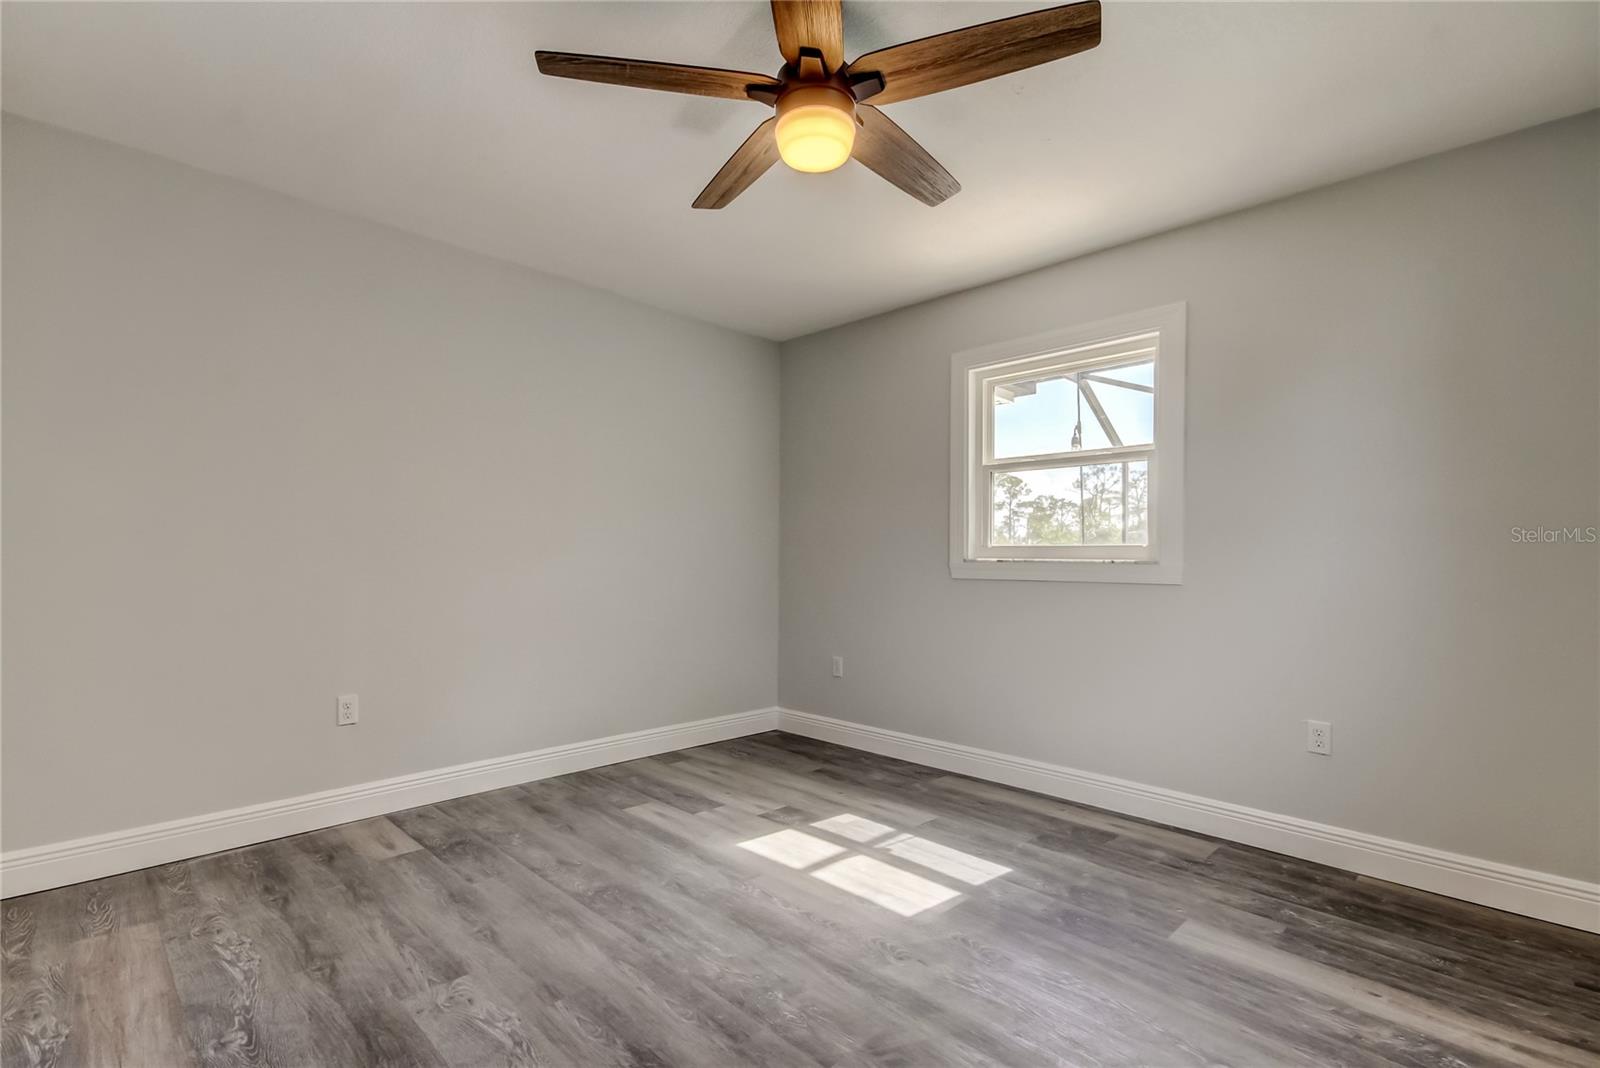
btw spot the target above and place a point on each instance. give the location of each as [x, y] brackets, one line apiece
[778, 901]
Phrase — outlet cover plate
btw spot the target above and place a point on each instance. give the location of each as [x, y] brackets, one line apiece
[1319, 737]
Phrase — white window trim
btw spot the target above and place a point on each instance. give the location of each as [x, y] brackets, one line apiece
[968, 445]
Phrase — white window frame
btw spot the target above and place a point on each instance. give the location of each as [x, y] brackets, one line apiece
[1156, 334]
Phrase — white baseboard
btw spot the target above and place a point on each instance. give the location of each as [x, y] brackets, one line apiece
[1556, 898]
[23, 871]
[1531, 893]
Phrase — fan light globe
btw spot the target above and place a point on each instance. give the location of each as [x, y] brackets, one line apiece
[816, 128]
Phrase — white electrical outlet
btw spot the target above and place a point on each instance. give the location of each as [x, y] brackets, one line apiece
[1319, 737]
[838, 667]
[349, 710]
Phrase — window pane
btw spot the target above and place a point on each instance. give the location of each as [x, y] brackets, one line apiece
[1138, 374]
[1138, 507]
[1081, 410]
[1037, 507]
[1095, 504]
[1101, 489]
[1036, 416]
[1129, 409]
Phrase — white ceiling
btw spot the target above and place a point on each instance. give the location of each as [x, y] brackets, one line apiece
[432, 117]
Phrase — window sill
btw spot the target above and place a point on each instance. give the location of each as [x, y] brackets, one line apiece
[1165, 572]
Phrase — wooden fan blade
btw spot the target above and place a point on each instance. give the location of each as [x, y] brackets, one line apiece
[988, 50]
[815, 24]
[667, 77]
[749, 162]
[886, 149]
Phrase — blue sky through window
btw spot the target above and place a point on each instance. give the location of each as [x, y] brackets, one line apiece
[1048, 419]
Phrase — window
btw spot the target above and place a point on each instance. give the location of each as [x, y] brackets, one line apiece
[1067, 454]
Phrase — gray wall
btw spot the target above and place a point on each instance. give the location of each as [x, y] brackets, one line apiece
[257, 454]
[1385, 376]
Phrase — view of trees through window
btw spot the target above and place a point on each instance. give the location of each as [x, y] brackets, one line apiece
[1095, 504]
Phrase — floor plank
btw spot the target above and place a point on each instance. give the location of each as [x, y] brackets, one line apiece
[777, 900]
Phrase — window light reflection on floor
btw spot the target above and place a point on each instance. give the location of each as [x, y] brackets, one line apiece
[867, 877]
[972, 870]
[855, 828]
[884, 884]
[792, 848]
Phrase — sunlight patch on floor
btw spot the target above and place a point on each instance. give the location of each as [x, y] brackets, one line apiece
[867, 877]
[974, 871]
[792, 848]
[883, 884]
[856, 828]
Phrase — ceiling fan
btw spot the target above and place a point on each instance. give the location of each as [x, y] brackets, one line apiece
[822, 116]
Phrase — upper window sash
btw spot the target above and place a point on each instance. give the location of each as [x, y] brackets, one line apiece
[1103, 356]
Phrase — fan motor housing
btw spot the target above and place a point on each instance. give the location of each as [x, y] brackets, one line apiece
[815, 94]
